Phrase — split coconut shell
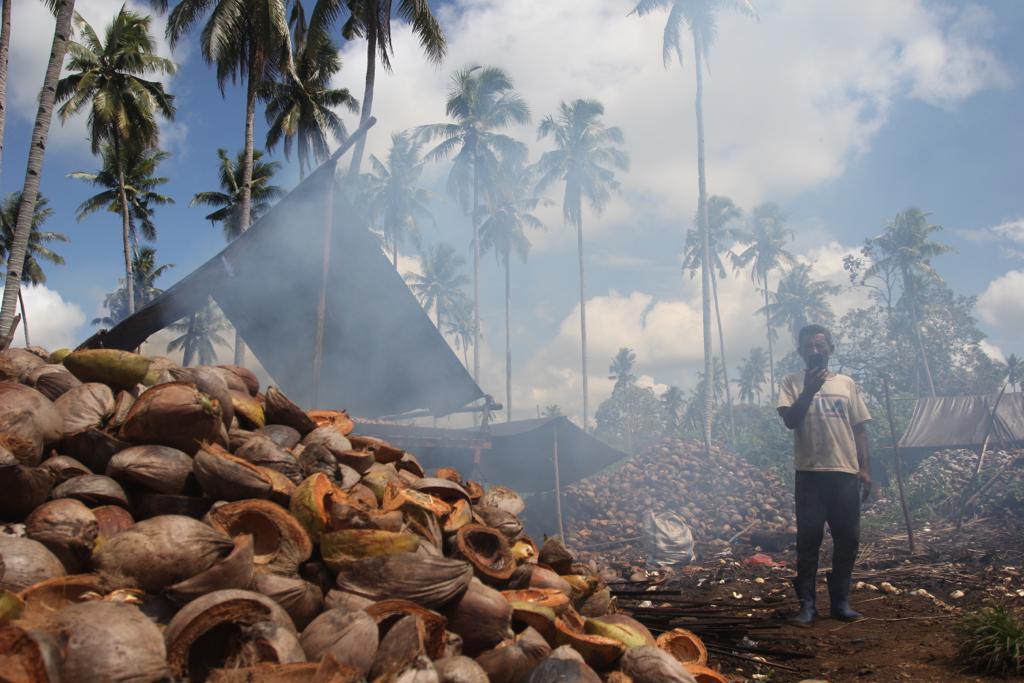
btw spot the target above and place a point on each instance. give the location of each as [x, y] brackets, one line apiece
[403, 644]
[299, 598]
[555, 555]
[280, 409]
[173, 414]
[234, 571]
[211, 382]
[338, 547]
[115, 368]
[705, 674]
[351, 638]
[44, 599]
[280, 543]
[427, 581]
[620, 627]
[337, 419]
[28, 656]
[486, 549]
[598, 651]
[67, 528]
[223, 476]
[310, 504]
[263, 452]
[29, 422]
[248, 409]
[496, 518]
[161, 469]
[648, 664]
[684, 645]
[387, 613]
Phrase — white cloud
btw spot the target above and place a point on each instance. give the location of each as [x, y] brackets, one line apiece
[53, 323]
[1001, 305]
[1008, 235]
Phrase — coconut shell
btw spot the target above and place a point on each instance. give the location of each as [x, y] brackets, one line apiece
[383, 452]
[310, 504]
[351, 638]
[620, 627]
[283, 435]
[223, 476]
[460, 514]
[115, 368]
[18, 363]
[111, 519]
[162, 551]
[93, 448]
[459, 669]
[93, 490]
[29, 422]
[551, 598]
[505, 499]
[250, 382]
[564, 665]
[248, 409]
[24, 488]
[399, 498]
[348, 514]
[261, 451]
[211, 382]
[123, 403]
[28, 656]
[173, 414]
[52, 381]
[337, 419]
[281, 544]
[346, 602]
[361, 495]
[86, 406]
[410, 464]
[448, 491]
[555, 555]
[506, 663]
[317, 459]
[598, 604]
[238, 436]
[427, 581]
[149, 505]
[67, 528]
[26, 562]
[496, 518]
[684, 645]
[377, 479]
[161, 469]
[325, 671]
[330, 439]
[542, 577]
[281, 410]
[44, 599]
[235, 570]
[597, 651]
[486, 549]
[403, 644]
[524, 550]
[300, 598]
[64, 467]
[648, 664]
[481, 616]
[338, 547]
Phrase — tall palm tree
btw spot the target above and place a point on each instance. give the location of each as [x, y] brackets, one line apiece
[37, 250]
[481, 101]
[5, 50]
[672, 404]
[199, 334]
[65, 9]
[300, 109]
[146, 272]
[800, 300]
[752, 375]
[700, 17]
[132, 177]
[766, 239]
[398, 204]
[586, 155]
[228, 200]
[439, 288]
[512, 201]
[906, 245]
[459, 325]
[723, 216]
[621, 368]
[1014, 371]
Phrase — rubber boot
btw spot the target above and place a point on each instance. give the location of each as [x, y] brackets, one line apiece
[805, 594]
[839, 594]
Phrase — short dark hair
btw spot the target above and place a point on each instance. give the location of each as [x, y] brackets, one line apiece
[812, 330]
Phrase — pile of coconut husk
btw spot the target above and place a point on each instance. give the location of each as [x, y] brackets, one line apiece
[721, 497]
[180, 523]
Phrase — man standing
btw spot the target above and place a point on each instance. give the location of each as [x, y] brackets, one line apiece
[828, 418]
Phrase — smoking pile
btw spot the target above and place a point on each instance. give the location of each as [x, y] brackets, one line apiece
[180, 523]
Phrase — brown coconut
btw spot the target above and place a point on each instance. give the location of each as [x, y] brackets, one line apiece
[410, 464]
[123, 402]
[338, 547]
[460, 514]
[26, 562]
[250, 382]
[331, 439]
[93, 448]
[52, 380]
[383, 451]
[648, 664]
[115, 368]
[161, 551]
[555, 555]
[161, 469]
[351, 638]
[29, 422]
[684, 645]
[345, 601]
[388, 612]
[86, 406]
[486, 549]
[283, 435]
[263, 452]
[235, 570]
[17, 363]
[281, 410]
[67, 528]
[93, 490]
[403, 644]
[28, 656]
[446, 490]
[280, 543]
[459, 669]
[427, 581]
[597, 651]
[149, 505]
[174, 414]
[64, 467]
[111, 520]
[565, 665]
[24, 488]
[299, 598]
[504, 498]
[44, 599]
[496, 518]
[211, 382]
[311, 501]
[481, 616]
[248, 409]
[324, 671]
[223, 476]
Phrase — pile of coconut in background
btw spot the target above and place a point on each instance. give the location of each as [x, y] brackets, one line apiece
[169, 523]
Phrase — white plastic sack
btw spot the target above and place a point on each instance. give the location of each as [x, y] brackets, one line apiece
[667, 540]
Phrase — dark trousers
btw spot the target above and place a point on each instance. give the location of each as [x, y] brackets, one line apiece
[832, 498]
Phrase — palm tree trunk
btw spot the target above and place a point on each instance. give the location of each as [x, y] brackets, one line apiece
[583, 320]
[394, 259]
[5, 49]
[371, 74]
[476, 271]
[771, 351]
[725, 366]
[122, 196]
[33, 171]
[508, 339]
[245, 201]
[705, 246]
[917, 336]
[190, 342]
[24, 319]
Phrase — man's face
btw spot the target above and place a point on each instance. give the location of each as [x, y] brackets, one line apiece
[813, 348]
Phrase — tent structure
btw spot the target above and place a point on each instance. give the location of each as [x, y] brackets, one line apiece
[321, 307]
[964, 422]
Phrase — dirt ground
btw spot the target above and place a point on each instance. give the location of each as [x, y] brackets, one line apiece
[909, 633]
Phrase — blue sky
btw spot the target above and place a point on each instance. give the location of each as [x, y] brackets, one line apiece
[842, 112]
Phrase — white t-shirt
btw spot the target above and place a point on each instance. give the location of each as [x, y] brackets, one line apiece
[824, 441]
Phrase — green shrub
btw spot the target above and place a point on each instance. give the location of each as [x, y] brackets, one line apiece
[992, 641]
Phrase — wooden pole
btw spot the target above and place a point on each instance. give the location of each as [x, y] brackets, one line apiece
[558, 488]
[981, 459]
[898, 464]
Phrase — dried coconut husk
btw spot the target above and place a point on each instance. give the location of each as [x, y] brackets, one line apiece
[620, 627]
[310, 504]
[211, 382]
[460, 514]
[325, 671]
[705, 674]
[449, 473]
[63, 467]
[281, 487]
[482, 616]
[29, 422]
[299, 598]
[115, 368]
[330, 439]
[160, 368]
[648, 664]
[224, 629]
[87, 405]
[448, 491]
[542, 577]
[44, 599]
[685, 646]
[486, 549]
[582, 587]
[535, 616]
[425, 525]
[280, 542]
[459, 669]
[93, 448]
[28, 656]
[26, 562]
[317, 573]
[336, 419]
[555, 555]
[360, 461]
[351, 638]
[23, 488]
[524, 550]
[109, 641]
[350, 514]
[52, 381]
[250, 382]
[388, 612]
[597, 651]
[67, 528]
[93, 490]
[528, 650]
[149, 505]
[111, 519]
[598, 604]
[319, 459]
[344, 545]
[17, 363]
[261, 451]
[565, 665]
[161, 469]
[238, 436]
[410, 464]
[174, 414]
[248, 409]
[160, 552]
[382, 451]
[235, 570]
[452, 644]
[223, 476]
[505, 499]
[496, 518]
[283, 435]
[281, 410]
[427, 581]
[123, 402]
[550, 598]
[403, 644]
[361, 494]
[345, 601]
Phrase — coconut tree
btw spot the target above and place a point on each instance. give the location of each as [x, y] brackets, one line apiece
[700, 17]
[300, 110]
[36, 251]
[907, 246]
[199, 334]
[672, 402]
[134, 177]
[439, 287]
[227, 201]
[65, 9]
[512, 201]
[397, 203]
[586, 155]
[146, 271]
[799, 300]
[107, 77]
[723, 217]
[5, 50]
[459, 325]
[766, 237]
[752, 375]
[481, 101]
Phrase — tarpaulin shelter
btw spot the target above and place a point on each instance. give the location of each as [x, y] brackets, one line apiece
[964, 422]
[304, 271]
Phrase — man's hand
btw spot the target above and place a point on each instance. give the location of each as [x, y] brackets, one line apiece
[814, 380]
[865, 485]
